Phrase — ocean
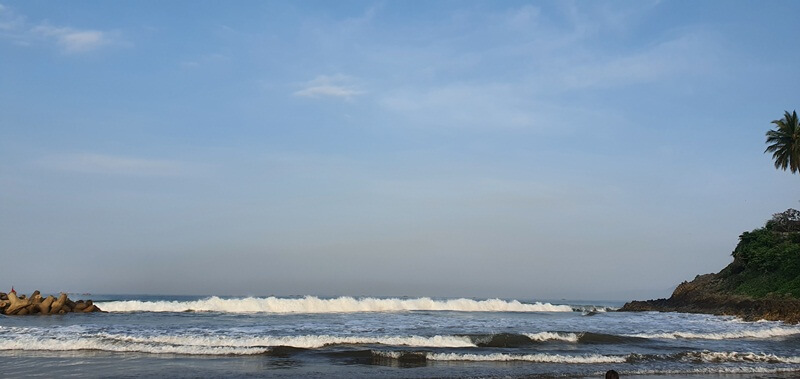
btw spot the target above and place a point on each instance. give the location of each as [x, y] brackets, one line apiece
[181, 336]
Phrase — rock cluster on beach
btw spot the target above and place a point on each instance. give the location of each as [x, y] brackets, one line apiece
[702, 295]
[11, 304]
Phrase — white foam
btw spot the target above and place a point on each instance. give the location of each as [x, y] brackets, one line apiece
[553, 336]
[56, 344]
[214, 345]
[716, 357]
[312, 304]
[586, 309]
[539, 358]
[306, 341]
[713, 370]
[756, 334]
[704, 356]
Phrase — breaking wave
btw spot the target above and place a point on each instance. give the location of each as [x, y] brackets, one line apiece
[693, 357]
[554, 336]
[34, 339]
[702, 356]
[716, 370]
[504, 357]
[56, 344]
[305, 342]
[715, 357]
[218, 345]
[312, 304]
[592, 309]
[708, 356]
[755, 334]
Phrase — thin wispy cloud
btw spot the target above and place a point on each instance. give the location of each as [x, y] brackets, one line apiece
[9, 22]
[462, 106]
[17, 29]
[542, 59]
[685, 55]
[523, 17]
[336, 86]
[92, 163]
[587, 20]
[73, 40]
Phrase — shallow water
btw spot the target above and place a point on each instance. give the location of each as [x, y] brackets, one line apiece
[418, 338]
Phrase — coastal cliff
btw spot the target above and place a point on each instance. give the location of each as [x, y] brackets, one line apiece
[762, 282]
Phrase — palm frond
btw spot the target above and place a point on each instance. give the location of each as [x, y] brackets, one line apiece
[784, 142]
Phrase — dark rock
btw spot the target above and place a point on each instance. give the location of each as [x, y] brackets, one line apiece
[704, 294]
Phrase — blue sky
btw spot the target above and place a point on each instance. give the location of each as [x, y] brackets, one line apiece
[604, 150]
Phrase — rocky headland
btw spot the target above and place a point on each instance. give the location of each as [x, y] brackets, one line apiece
[703, 295]
[13, 305]
[762, 282]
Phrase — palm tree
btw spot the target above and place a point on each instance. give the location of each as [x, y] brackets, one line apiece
[784, 142]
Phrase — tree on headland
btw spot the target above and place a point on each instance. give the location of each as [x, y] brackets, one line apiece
[786, 221]
[784, 142]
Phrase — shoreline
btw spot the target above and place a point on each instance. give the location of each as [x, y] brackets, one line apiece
[105, 364]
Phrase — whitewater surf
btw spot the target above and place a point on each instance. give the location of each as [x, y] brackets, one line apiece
[392, 338]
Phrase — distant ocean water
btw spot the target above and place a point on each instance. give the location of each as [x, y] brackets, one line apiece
[389, 338]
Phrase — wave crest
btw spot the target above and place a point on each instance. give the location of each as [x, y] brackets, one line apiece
[504, 357]
[716, 357]
[755, 334]
[304, 342]
[313, 304]
[218, 345]
[55, 344]
[554, 336]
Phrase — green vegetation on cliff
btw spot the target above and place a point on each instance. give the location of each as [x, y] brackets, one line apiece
[762, 283]
[767, 260]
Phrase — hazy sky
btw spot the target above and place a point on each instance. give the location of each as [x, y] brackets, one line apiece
[594, 150]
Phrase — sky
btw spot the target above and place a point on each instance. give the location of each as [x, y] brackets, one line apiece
[528, 150]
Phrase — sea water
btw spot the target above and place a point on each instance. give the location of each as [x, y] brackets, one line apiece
[389, 338]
